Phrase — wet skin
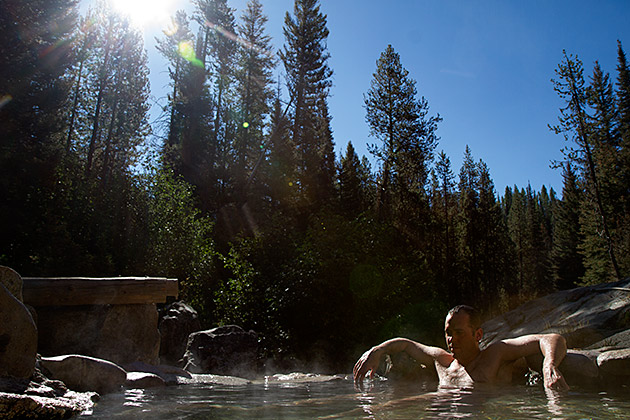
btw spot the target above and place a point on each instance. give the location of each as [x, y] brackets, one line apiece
[465, 364]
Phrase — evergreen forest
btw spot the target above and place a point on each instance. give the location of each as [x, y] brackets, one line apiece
[245, 201]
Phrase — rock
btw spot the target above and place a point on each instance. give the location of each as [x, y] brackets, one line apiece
[143, 380]
[12, 281]
[119, 333]
[579, 367]
[594, 318]
[177, 322]
[583, 316]
[620, 340]
[83, 373]
[615, 362]
[38, 385]
[41, 398]
[225, 350]
[302, 378]
[208, 379]
[134, 330]
[20, 406]
[18, 337]
[170, 374]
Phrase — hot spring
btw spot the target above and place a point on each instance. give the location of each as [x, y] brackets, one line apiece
[308, 396]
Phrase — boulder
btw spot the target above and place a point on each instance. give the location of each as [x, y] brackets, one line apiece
[209, 379]
[12, 281]
[172, 375]
[614, 362]
[18, 337]
[83, 373]
[177, 322]
[23, 406]
[583, 316]
[227, 350]
[620, 340]
[580, 367]
[143, 380]
[41, 398]
[594, 319]
[119, 333]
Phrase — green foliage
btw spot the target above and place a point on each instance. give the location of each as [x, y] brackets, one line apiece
[595, 121]
[343, 283]
[400, 121]
[305, 59]
[180, 239]
[568, 263]
[246, 204]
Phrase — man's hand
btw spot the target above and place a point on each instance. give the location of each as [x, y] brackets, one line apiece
[553, 378]
[367, 363]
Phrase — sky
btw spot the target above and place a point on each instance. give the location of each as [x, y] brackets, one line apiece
[484, 66]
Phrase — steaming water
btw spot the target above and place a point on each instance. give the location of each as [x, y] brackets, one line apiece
[338, 399]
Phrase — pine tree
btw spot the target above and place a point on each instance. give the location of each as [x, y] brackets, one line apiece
[111, 104]
[468, 227]
[496, 264]
[400, 122]
[282, 161]
[177, 47]
[516, 217]
[444, 211]
[188, 147]
[84, 35]
[568, 266]
[530, 234]
[305, 59]
[623, 124]
[36, 52]
[351, 192]
[574, 123]
[218, 51]
[538, 244]
[623, 101]
[254, 93]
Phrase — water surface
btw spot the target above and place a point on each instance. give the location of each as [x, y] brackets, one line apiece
[302, 397]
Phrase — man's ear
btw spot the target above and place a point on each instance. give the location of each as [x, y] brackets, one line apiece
[478, 334]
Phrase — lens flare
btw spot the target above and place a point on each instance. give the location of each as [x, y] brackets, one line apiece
[187, 52]
[5, 100]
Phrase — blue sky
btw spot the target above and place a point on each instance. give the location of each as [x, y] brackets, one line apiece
[484, 66]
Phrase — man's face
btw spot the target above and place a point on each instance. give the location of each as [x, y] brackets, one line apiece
[462, 341]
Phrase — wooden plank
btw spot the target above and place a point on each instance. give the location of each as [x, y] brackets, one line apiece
[68, 291]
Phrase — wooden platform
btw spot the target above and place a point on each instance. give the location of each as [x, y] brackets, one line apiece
[72, 291]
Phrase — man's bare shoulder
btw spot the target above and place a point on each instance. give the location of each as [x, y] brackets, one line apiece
[441, 356]
[511, 349]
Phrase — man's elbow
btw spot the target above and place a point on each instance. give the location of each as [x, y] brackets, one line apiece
[558, 341]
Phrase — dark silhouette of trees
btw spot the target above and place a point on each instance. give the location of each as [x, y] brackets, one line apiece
[245, 201]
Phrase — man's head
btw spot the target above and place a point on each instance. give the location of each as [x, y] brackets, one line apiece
[462, 330]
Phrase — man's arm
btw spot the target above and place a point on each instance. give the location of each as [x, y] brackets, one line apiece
[552, 347]
[370, 360]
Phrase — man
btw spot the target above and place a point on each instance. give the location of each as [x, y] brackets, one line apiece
[465, 364]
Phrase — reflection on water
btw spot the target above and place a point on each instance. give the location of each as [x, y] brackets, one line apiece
[302, 397]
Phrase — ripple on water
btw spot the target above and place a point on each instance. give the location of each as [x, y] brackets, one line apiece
[287, 398]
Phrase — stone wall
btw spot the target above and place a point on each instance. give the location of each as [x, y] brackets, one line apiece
[122, 334]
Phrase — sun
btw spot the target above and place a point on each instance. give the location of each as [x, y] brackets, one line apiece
[145, 13]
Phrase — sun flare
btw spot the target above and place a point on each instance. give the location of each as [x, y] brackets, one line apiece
[144, 13]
